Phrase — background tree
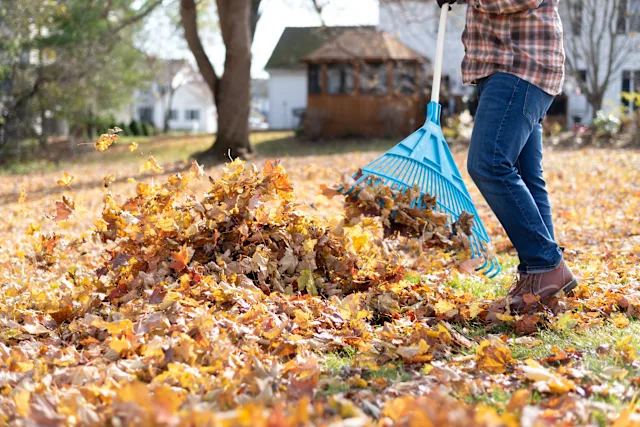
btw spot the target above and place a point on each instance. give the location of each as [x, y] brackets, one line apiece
[65, 58]
[169, 76]
[232, 90]
[599, 39]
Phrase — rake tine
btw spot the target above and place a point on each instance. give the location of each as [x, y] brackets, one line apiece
[483, 266]
[493, 270]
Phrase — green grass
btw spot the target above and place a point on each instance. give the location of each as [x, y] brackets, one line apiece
[176, 148]
[333, 364]
[481, 287]
[496, 397]
[582, 340]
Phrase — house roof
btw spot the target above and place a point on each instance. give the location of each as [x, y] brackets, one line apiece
[297, 42]
[364, 43]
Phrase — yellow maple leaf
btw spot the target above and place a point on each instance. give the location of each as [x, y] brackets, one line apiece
[65, 180]
[150, 165]
[22, 399]
[107, 139]
[120, 344]
[545, 380]
[474, 310]
[493, 356]
[443, 306]
[619, 320]
[33, 228]
[133, 146]
[166, 224]
[100, 224]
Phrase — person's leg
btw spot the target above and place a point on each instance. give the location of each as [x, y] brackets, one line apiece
[508, 111]
[529, 165]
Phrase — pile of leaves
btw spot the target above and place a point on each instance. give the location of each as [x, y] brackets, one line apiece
[248, 230]
[225, 308]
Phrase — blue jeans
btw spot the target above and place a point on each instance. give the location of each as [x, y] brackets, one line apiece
[505, 162]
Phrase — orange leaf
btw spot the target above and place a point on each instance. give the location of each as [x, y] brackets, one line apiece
[493, 356]
[328, 192]
[181, 258]
[63, 211]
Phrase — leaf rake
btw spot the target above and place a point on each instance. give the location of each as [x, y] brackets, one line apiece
[424, 160]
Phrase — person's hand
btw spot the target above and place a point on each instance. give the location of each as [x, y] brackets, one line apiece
[443, 2]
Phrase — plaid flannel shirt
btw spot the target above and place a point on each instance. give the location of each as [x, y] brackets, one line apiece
[520, 37]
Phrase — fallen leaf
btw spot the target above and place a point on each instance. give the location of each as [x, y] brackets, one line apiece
[545, 380]
[63, 211]
[65, 180]
[150, 165]
[493, 356]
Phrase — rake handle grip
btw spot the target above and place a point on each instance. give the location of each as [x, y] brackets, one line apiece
[437, 68]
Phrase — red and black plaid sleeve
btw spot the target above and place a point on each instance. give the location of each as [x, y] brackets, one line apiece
[521, 37]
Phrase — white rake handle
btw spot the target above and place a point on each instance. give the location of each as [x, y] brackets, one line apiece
[437, 68]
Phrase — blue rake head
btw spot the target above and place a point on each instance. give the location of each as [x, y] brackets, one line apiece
[424, 160]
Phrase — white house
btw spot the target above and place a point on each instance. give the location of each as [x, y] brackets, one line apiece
[192, 107]
[415, 23]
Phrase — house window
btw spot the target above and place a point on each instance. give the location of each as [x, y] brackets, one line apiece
[630, 84]
[145, 114]
[634, 16]
[621, 23]
[404, 79]
[373, 78]
[628, 16]
[582, 75]
[576, 19]
[173, 114]
[192, 114]
[340, 79]
[315, 79]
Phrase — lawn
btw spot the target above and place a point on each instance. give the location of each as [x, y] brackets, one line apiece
[90, 332]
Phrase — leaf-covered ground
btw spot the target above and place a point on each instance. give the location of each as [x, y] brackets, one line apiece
[162, 297]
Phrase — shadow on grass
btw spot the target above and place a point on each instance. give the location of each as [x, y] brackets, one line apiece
[292, 146]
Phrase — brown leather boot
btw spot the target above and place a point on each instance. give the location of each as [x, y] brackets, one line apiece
[543, 285]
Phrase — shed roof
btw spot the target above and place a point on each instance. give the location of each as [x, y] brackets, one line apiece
[297, 42]
[366, 44]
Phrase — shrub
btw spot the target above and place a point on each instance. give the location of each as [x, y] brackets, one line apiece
[606, 126]
[147, 129]
[125, 129]
[134, 128]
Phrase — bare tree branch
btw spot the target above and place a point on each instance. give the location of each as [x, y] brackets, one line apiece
[603, 49]
[255, 16]
[189, 16]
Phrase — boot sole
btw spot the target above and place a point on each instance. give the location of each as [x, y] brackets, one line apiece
[569, 287]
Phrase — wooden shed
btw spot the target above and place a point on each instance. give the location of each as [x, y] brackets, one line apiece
[364, 83]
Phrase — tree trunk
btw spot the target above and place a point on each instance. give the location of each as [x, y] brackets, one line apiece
[167, 111]
[231, 92]
[595, 100]
[233, 99]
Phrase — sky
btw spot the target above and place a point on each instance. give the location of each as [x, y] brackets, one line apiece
[161, 37]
